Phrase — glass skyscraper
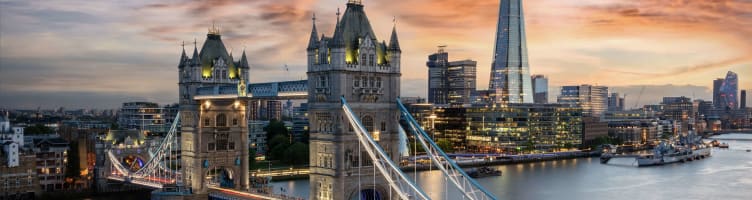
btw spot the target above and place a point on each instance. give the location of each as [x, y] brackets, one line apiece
[510, 73]
[728, 91]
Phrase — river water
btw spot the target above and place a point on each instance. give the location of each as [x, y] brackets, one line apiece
[727, 174]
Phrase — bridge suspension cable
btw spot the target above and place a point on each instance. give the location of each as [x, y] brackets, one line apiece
[158, 170]
[466, 184]
[398, 181]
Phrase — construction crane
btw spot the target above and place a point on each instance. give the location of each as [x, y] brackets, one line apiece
[639, 96]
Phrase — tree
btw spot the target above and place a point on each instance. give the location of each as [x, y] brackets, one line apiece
[277, 146]
[445, 145]
[276, 128]
[296, 154]
[38, 129]
[251, 158]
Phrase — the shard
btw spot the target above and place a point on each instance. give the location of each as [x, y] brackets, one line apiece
[510, 73]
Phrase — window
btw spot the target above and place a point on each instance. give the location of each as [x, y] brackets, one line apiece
[210, 147]
[322, 81]
[368, 123]
[221, 120]
[383, 126]
[363, 59]
[231, 146]
[378, 82]
[371, 59]
[356, 82]
[234, 121]
[222, 141]
[224, 74]
[371, 82]
[207, 122]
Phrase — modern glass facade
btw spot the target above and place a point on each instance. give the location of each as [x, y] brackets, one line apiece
[728, 91]
[592, 99]
[506, 128]
[540, 89]
[450, 82]
[510, 73]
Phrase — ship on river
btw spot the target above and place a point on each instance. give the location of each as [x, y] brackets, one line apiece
[685, 148]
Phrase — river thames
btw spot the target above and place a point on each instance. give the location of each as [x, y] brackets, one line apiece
[727, 174]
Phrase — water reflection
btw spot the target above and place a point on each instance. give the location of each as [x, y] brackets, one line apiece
[725, 175]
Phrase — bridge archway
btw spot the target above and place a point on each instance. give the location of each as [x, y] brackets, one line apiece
[133, 162]
[221, 177]
[369, 193]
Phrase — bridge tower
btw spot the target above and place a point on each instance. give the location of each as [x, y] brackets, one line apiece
[213, 107]
[352, 64]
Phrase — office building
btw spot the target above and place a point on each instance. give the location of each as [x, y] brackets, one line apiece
[450, 82]
[728, 92]
[592, 99]
[593, 128]
[510, 74]
[144, 116]
[300, 123]
[633, 132]
[615, 102]
[743, 99]
[540, 89]
[274, 110]
[717, 92]
[504, 128]
[257, 136]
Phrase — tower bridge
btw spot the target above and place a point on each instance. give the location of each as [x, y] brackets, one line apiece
[352, 89]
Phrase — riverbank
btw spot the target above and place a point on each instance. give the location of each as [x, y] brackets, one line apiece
[485, 160]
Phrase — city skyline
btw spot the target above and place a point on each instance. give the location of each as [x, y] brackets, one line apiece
[86, 55]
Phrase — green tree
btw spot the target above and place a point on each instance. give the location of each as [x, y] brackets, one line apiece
[276, 128]
[251, 158]
[38, 129]
[445, 145]
[277, 146]
[296, 154]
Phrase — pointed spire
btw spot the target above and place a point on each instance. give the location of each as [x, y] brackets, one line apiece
[195, 53]
[183, 56]
[393, 41]
[244, 61]
[313, 42]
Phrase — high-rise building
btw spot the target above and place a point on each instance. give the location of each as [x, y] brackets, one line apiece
[274, 110]
[450, 82]
[717, 92]
[728, 92]
[144, 116]
[540, 89]
[615, 103]
[743, 99]
[592, 99]
[355, 65]
[510, 73]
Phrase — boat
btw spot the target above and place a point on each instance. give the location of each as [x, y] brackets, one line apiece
[749, 150]
[723, 145]
[483, 172]
[687, 148]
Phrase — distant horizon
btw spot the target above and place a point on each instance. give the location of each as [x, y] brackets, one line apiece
[97, 55]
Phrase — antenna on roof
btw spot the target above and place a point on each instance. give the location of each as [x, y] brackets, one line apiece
[441, 48]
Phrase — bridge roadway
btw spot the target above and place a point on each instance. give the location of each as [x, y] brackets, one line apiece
[228, 194]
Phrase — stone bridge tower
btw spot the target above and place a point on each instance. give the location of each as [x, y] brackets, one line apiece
[354, 64]
[213, 106]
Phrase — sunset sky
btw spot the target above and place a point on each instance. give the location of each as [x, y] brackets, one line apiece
[98, 54]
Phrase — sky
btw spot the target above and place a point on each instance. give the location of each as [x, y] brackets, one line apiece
[98, 54]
